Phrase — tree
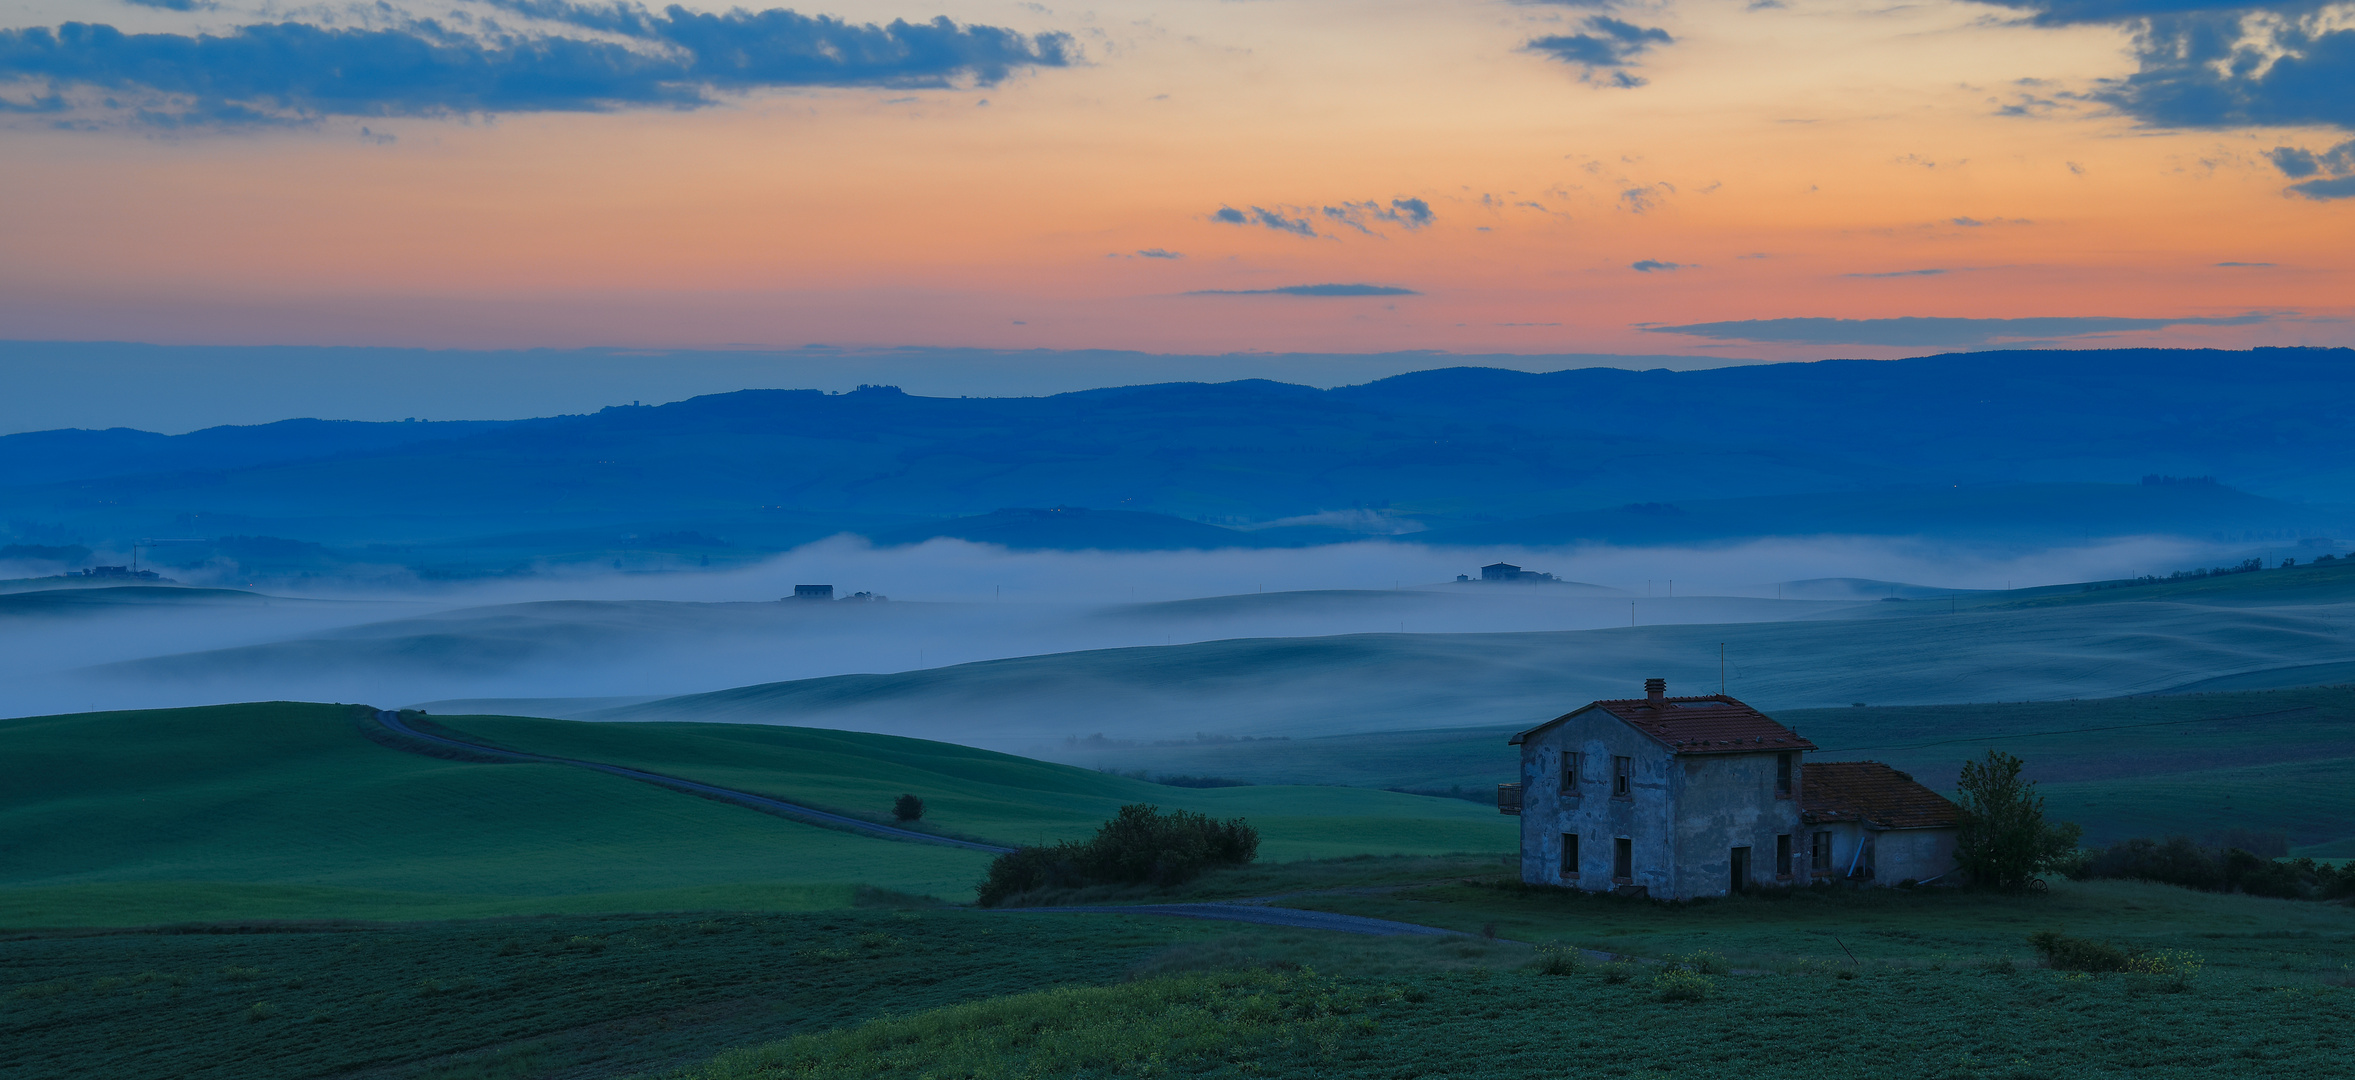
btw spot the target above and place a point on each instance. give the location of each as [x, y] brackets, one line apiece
[908, 808]
[2004, 841]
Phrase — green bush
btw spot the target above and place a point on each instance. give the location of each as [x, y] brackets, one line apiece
[1704, 962]
[2062, 953]
[1618, 971]
[1555, 958]
[1139, 846]
[2179, 860]
[1677, 984]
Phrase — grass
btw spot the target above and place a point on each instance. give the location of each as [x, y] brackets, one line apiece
[567, 995]
[286, 810]
[994, 796]
[1928, 928]
[1989, 1021]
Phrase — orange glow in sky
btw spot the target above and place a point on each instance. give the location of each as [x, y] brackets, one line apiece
[1804, 159]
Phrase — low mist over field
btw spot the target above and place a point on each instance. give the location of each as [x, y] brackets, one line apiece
[637, 636]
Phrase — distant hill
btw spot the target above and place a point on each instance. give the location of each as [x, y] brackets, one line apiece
[1071, 528]
[1479, 455]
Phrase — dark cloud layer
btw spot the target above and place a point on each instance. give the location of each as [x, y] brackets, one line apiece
[2197, 66]
[1312, 290]
[1930, 332]
[681, 59]
[1606, 50]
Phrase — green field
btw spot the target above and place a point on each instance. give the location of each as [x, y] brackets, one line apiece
[286, 810]
[999, 797]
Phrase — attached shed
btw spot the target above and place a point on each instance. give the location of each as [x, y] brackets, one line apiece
[1871, 824]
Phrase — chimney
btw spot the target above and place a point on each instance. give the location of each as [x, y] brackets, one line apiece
[1656, 692]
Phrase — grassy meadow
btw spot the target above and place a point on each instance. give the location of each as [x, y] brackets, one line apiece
[289, 810]
[997, 797]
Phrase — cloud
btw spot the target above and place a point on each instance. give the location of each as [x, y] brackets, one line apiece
[2222, 63]
[2337, 187]
[2243, 264]
[1609, 46]
[1262, 216]
[1650, 265]
[1157, 253]
[677, 59]
[1641, 199]
[2298, 163]
[1914, 331]
[1898, 273]
[1312, 290]
[1408, 213]
[168, 5]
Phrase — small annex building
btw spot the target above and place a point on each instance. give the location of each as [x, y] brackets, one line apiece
[1685, 797]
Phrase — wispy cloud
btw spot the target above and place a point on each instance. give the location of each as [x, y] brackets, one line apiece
[1650, 266]
[1273, 219]
[1158, 253]
[1312, 290]
[1933, 272]
[1606, 50]
[1916, 331]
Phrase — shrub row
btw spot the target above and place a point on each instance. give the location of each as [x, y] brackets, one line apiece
[2181, 861]
[1139, 846]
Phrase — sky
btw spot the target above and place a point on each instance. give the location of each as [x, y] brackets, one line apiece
[1754, 179]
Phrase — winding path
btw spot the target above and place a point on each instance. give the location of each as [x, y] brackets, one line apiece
[1262, 914]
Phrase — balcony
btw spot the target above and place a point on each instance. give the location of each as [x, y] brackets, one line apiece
[1508, 798]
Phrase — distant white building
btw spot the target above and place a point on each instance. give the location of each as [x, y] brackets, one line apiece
[1677, 798]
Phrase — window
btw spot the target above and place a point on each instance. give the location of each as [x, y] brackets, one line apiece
[1623, 859]
[1569, 856]
[1822, 853]
[1570, 763]
[1622, 778]
[1782, 856]
[1782, 776]
[1741, 865]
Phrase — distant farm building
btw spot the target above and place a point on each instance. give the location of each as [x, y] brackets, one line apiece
[118, 573]
[1505, 571]
[1677, 798]
[813, 592]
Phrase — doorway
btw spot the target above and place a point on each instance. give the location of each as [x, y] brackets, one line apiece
[1741, 861]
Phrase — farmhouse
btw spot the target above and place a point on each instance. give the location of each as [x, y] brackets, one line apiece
[1683, 797]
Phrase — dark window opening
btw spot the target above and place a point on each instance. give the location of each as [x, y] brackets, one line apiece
[1570, 763]
[1623, 859]
[1782, 776]
[1570, 856]
[1782, 856]
[1821, 853]
[1741, 861]
[1622, 780]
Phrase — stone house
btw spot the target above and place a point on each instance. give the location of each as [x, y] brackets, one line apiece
[1684, 797]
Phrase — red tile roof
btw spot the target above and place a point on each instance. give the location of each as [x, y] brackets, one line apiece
[1696, 725]
[1870, 791]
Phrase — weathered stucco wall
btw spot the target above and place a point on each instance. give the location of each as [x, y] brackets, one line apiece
[1645, 816]
[1727, 801]
[1893, 855]
[1684, 816]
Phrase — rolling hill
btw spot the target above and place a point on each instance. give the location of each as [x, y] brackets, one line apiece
[290, 810]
